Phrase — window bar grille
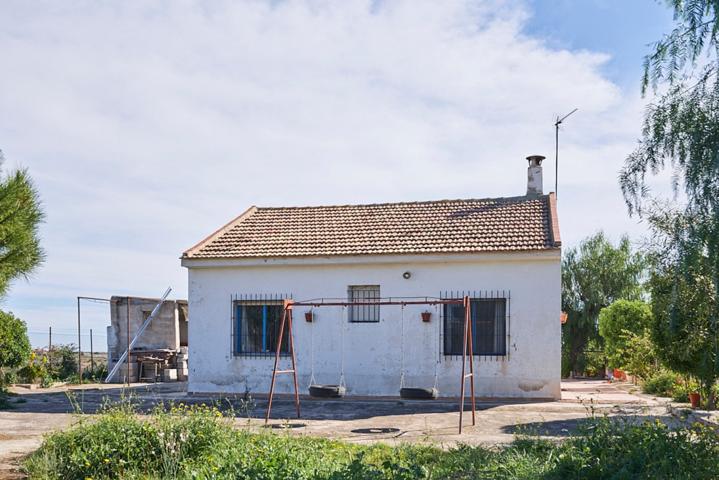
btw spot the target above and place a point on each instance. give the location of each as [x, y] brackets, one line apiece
[509, 323]
[233, 329]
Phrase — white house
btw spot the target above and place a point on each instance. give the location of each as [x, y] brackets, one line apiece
[502, 252]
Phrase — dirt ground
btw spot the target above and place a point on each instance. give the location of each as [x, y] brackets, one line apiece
[391, 420]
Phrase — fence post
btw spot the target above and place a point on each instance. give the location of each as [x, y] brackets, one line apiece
[92, 356]
[79, 348]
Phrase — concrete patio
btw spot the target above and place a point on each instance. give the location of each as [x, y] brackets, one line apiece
[391, 420]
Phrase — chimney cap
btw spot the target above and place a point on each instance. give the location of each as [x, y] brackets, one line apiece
[535, 159]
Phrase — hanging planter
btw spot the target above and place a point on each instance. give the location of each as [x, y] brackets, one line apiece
[426, 316]
[308, 316]
[695, 398]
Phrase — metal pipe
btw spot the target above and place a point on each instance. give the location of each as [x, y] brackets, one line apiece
[381, 302]
[294, 366]
[464, 365]
[128, 342]
[471, 358]
[96, 299]
[79, 348]
[92, 355]
[277, 361]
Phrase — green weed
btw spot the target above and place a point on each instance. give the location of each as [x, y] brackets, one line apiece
[201, 442]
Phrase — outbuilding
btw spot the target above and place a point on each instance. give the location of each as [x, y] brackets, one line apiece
[502, 253]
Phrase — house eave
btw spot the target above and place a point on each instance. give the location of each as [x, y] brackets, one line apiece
[553, 254]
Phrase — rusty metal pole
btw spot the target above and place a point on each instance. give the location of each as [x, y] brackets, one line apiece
[292, 353]
[471, 357]
[464, 364]
[79, 348]
[49, 340]
[277, 361]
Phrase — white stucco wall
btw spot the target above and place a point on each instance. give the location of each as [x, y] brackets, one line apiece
[372, 350]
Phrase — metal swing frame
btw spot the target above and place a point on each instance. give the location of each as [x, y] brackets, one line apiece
[286, 323]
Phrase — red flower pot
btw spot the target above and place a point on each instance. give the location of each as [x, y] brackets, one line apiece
[426, 316]
[619, 374]
[308, 316]
[695, 398]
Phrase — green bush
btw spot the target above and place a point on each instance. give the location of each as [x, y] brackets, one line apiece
[662, 383]
[35, 370]
[99, 372]
[14, 342]
[201, 443]
[619, 325]
[62, 362]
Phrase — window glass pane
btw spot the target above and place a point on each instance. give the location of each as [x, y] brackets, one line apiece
[274, 319]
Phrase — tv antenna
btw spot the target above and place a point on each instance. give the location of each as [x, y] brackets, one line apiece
[556, 148]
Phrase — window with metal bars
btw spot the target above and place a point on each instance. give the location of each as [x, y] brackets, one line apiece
[363, 313]
[489, 327]
[257, 328]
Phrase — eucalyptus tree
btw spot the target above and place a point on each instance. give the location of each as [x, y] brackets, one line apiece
[681, 135]
[594, 275]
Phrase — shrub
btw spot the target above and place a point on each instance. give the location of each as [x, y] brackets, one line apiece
[35, 370]
[619, 324]
[661, 384]
[62, 362]
[14, 343]
[99, 372]
[200, 443]
[641, 358]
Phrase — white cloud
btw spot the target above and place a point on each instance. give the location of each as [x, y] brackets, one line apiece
[149, 125]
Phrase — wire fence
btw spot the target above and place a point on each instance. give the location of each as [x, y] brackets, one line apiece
[40, 339]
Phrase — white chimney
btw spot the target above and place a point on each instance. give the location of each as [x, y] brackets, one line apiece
[534, 175]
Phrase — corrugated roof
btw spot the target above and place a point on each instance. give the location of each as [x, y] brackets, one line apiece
[445, 226]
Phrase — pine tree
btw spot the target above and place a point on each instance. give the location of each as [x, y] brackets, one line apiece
[20, 216]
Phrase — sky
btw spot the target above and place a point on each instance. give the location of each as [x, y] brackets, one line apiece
[148, 125]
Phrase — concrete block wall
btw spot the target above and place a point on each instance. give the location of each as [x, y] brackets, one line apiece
[164, 331]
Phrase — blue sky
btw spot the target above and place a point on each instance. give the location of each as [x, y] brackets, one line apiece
[146, 126]
[622, 29]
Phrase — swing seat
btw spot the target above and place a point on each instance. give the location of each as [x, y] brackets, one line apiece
[415, 393]
[327, 391]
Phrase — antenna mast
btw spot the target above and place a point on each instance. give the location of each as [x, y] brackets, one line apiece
[556, 148]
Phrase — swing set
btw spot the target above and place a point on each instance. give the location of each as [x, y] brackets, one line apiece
[339, 390]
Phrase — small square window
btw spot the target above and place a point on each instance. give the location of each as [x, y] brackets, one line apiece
[364, 294]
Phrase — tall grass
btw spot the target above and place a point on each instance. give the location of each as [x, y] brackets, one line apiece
[199, 442]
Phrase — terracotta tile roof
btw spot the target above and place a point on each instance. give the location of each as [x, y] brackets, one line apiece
[444, 226]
